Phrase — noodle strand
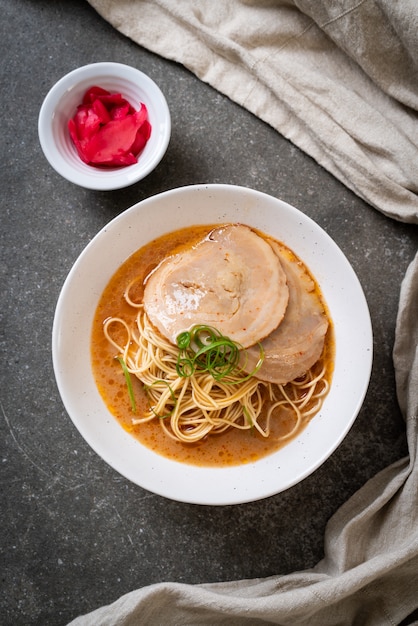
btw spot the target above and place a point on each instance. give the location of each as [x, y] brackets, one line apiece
[190, 408]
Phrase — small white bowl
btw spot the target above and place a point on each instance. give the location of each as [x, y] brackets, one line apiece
[61, 103]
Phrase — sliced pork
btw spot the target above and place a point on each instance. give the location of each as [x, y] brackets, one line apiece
[232, 280]
[297, 343]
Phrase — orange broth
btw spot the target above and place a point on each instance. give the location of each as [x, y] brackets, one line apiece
[233, 447]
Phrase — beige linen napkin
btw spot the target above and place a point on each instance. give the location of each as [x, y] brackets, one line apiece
[338, 78]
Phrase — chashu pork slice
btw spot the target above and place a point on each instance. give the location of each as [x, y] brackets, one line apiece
[232, 280]
[297, 343]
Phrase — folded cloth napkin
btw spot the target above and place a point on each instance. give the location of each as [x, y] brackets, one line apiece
[339, 79]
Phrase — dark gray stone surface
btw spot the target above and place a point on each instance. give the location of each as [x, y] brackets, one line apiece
[76, 535]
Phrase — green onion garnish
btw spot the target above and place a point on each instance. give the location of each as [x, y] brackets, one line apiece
[183, 340]
[204, 348]
[248, 417]
[128, 383]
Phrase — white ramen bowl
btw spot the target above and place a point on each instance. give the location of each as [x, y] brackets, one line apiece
[60, 105]
[212, 204]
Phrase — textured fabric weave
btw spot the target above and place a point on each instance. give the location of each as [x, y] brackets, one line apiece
[338, 78]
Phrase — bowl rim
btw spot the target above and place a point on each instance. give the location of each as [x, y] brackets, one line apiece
[111, 178]
[239, 484]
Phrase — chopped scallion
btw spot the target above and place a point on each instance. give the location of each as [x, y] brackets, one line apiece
[204, 348]
[128, 383]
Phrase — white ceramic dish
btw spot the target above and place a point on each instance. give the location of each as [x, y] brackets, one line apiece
[61, 103]
[209, 204]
